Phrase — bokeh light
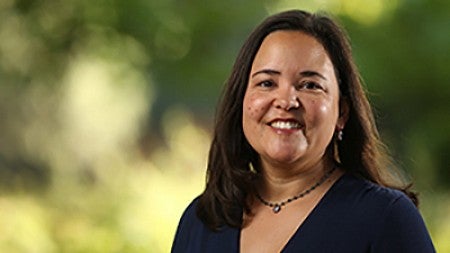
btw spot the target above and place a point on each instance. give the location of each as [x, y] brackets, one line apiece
[106, 110]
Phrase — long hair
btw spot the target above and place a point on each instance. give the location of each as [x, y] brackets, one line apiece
[229, 180]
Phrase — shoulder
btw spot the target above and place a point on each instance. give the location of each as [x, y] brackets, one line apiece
[402, 228]
[189, 214]
[364, 193]
[194, 236]
[374, 201]
[188, 227]
[361, 202]
[386, 215]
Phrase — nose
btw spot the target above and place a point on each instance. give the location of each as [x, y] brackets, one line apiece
[287, 99]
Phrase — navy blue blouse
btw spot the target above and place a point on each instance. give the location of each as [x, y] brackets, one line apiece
[353, 216]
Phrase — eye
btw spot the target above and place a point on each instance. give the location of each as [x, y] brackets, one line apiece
[266, 84]
[310, 85]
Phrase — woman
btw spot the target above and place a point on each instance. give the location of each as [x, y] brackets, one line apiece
[296, 163]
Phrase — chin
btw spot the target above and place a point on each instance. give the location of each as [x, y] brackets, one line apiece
[285, 158]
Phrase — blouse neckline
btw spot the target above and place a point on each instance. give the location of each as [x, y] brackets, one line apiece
[312, 216]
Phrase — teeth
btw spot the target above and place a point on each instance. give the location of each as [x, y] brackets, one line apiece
[285, 124]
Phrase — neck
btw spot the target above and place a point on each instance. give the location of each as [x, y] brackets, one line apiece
[280, 182]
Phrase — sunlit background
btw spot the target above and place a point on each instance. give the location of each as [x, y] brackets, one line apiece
[106, 110]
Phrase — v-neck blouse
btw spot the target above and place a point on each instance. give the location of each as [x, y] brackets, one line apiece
[354, 216]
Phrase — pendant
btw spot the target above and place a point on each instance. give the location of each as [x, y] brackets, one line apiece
[276, 208]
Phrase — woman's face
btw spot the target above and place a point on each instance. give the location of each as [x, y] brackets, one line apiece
[291, 105]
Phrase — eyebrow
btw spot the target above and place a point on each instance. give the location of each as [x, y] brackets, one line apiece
[309, 73]
[306, 73]
[266, 71]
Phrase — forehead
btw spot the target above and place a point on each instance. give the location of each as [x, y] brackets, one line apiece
[292, 37]
[292, 46]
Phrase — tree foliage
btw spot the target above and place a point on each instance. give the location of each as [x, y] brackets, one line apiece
[90, 90]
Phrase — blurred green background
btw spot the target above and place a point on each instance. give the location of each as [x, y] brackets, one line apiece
[106, 110]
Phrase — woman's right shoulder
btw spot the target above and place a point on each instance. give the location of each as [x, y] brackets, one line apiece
[189, 217]
[193, 235]
[189, 228]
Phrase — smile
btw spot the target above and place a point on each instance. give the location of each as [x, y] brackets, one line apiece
[285, 124]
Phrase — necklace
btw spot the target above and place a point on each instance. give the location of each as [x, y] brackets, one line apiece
[276, 207]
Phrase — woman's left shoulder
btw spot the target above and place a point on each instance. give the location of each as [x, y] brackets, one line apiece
[369, 193]
[390, 196]
[401, 227]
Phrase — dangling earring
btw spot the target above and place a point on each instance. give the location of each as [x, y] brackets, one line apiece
[252, 169]
[340, 135]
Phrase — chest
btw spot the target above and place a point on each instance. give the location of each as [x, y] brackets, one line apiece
[268, 231]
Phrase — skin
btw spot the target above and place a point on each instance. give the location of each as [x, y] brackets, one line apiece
[292, 82]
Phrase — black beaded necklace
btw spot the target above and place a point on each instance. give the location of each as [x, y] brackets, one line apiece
[276, 207]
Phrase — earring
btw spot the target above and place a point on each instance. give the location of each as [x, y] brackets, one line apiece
[340, 135]
[252, 169]
[336, 139]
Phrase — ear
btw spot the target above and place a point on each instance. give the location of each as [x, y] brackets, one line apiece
[344, 110]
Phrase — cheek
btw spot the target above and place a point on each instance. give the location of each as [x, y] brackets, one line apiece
[329, 114]
[323, 110]
[254, 107]
[320, 112]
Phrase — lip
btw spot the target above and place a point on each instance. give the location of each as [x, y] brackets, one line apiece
[285, 125]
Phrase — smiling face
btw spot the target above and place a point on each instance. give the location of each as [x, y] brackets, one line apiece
[291, 105]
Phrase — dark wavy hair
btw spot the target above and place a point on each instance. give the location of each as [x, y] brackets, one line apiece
[230, 180]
